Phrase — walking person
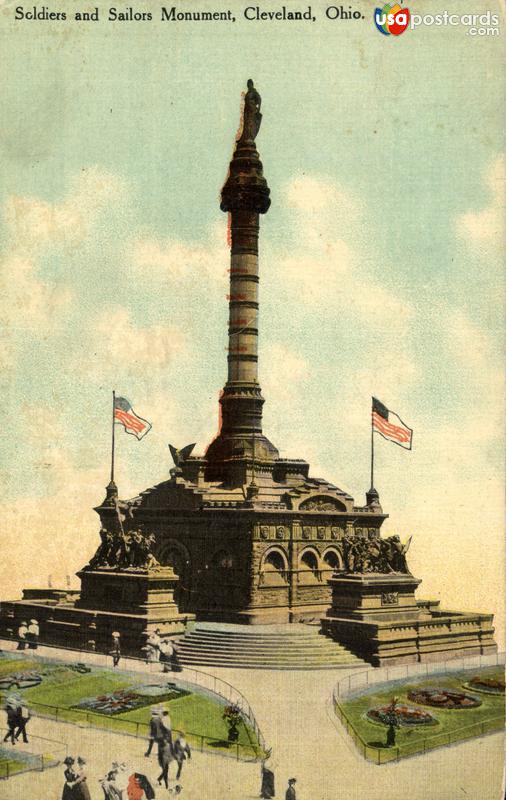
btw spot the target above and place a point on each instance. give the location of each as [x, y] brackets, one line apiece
[166, 726]
[267, 789]
[11, 709]
[22, 631]
[70, 776]
[393, 722]
[139, 787]
[154, 730]
[121, 781]
[181, 752]
[165, 756]
[32, 636]
[108, 783]
[153, 647]
[80, 790]
[290, 792]
[23, 715]
[116, 648]
[166, 653]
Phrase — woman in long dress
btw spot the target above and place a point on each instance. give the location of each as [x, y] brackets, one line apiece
[70, 777]
[80, 790]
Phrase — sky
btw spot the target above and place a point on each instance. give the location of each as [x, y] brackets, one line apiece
[380, 266]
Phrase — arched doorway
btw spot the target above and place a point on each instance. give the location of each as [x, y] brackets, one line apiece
[331, 562]
[274, 567]
[174, 554]
[309, 566]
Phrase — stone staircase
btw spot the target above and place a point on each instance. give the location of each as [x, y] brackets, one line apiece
[295, 646]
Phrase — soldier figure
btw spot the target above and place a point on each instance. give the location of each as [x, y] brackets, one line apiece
[104, 554]
[348, 554]
[398, 562]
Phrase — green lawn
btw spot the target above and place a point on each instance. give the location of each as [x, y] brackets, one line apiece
[452, 724]
[199, 713]
[12, 762]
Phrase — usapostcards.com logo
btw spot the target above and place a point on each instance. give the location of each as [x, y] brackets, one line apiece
[391, 19]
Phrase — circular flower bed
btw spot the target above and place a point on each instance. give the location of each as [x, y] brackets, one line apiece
[490, 685]
[440, 697]
[406, 715]
[20, 680]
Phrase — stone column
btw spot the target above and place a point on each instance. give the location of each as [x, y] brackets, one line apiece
[244, 197]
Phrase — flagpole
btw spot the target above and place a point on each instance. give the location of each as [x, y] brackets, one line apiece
[372, 496]
[112, 447]
[372, 453]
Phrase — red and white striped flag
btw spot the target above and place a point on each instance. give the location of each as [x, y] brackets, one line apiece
[126, 416]
[390, 425]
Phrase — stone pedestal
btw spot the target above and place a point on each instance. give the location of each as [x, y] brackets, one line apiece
[378, 617]
[148, 591]
[375, 597]
[133, 602]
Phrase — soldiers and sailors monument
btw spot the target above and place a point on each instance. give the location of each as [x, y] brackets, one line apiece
[241, 539]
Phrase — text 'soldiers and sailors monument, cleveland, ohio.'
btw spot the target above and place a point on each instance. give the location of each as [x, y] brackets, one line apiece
[240, 535]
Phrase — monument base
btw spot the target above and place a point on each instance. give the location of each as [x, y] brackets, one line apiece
[379, 619]
[134, 603]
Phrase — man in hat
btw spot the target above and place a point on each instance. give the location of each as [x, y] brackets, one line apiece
[22, 631]
[32, 635]
[290, 792]
[12, 711]
[155, 730]
[23, 717]
[181, 752]
[116, 648]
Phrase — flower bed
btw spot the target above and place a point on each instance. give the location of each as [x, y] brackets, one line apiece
[489, 685]
[440, 697]
[20, 680]
[122, 700]
[406, 715]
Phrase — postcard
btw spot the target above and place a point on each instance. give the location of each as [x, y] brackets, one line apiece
[253, 376]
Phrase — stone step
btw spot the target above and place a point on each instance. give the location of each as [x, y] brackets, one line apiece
[262, 654]
[262, 647]
[296, 641]
[327, 645]
[264, 664]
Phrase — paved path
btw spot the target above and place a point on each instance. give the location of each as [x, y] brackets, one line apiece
[294, 713]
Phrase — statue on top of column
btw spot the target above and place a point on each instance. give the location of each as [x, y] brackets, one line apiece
[251, 116]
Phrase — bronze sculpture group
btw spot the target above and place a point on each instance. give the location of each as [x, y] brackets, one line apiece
[377, 555]
[120, 550]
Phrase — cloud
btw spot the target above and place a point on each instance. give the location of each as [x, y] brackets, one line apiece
[486, 228]
[326, 263]
[166, 260]
[35, 228]
[480, 365]
[34, 224]
[287, 371]
[118, 339]
[28, 302]
[69, 537]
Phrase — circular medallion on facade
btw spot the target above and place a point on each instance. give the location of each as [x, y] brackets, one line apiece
[264, 532]
[321, 533]
[280, 532]
[306, 532]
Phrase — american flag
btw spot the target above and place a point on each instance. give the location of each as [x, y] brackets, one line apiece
[126, 416]
[390, 425]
